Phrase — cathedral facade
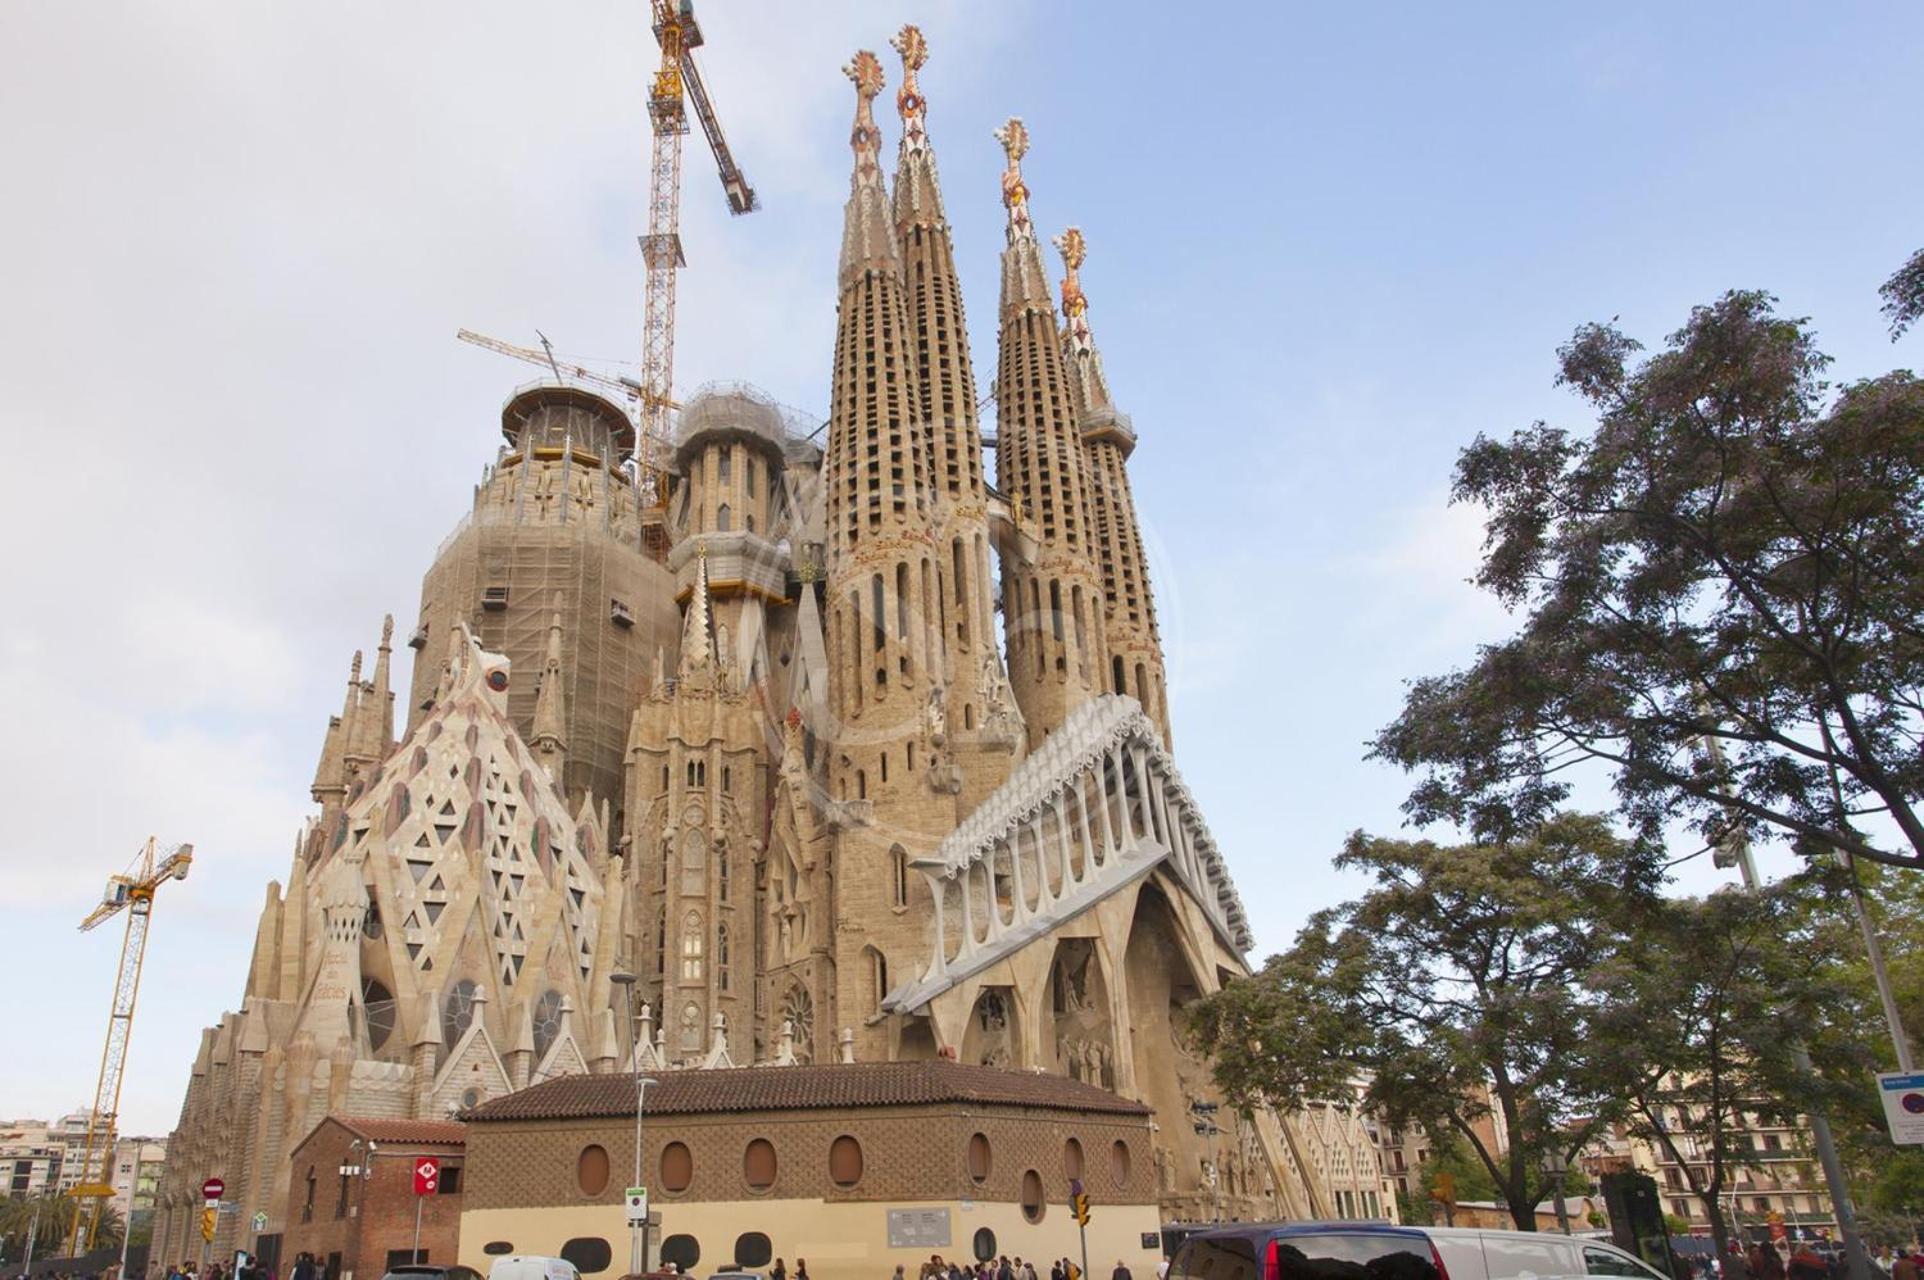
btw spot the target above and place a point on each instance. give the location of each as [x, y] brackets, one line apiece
[734, 716]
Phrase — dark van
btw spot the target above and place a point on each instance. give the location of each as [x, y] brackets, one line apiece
[1308, 1251]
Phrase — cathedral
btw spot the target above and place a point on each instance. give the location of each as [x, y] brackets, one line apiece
[808, 742]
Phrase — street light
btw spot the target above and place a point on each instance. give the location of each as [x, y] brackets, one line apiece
[638, 1232]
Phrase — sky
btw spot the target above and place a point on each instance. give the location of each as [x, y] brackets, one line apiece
[1328, 244]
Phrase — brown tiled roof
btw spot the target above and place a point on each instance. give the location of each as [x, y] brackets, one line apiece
[694, 1091]
[445, 1133]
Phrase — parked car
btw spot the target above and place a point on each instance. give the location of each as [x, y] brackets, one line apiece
[1307, 1251]
[427, 1271]
[524, 1266]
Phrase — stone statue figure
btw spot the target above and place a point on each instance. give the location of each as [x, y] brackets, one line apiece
[938, 717]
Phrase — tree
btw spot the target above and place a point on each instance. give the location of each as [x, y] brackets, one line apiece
[1455, 984]
[1699, 1006]
[1903, 295]
[1731, 557]
[54, 1229]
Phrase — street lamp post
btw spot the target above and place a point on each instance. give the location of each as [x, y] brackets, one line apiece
[637, 1232]
[1557, 1166]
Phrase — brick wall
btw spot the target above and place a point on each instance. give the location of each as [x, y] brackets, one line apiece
[909, 1154]
[379, 1210]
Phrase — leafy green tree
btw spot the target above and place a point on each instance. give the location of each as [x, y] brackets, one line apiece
[1698, 1008]
[55, 1224]
[1455, 983]
[1731, 557]
[1903, 295]
[1470, 1179]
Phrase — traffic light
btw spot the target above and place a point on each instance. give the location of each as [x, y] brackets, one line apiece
[208, 1217]
[1079, 1205]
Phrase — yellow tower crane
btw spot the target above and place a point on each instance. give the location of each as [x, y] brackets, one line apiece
[677, 82]
[134, 894]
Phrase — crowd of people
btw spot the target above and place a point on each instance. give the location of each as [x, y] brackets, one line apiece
[1002, 1268]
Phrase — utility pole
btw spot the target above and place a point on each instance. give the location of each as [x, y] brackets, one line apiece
[1840, 1192]
[637, 1231]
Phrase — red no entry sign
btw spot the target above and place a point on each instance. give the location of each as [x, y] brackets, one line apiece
[212, 1189]
[427, 1176]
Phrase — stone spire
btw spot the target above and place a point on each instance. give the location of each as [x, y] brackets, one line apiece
[885, 646]
[947, 402]
[697, 642]
[1053, 601]
[868, 237]
[550, 738]
[374, 728]
[1129, 609]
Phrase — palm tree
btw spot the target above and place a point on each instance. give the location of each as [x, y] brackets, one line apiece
[55, 1214]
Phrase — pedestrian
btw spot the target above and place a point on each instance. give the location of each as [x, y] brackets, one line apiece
[801, 1269]
[1805, 1264]
[1056, 1273]
[1121, 1272]
[1904, 1266]
[899, 1274]
[779, 1273]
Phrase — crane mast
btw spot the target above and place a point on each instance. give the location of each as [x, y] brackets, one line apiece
[133, 893]
[676, 80]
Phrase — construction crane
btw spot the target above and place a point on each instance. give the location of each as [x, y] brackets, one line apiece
[545, 357]
[677, 82]
[134, 894]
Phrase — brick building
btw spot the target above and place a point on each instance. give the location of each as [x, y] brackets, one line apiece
[354, 1203]
[854, 1166]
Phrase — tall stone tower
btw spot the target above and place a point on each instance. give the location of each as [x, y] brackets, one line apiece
[556, 526]
[886, 645]
[983, 746]
[1108, 438]
[1052, 602]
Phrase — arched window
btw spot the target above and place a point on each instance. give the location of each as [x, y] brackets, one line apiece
[677, 1164]
[694, 871]
[727, 463]
[1033, 1205]
[457, 1011]
[723, 519]
[899, 875]
[845, 1161]
[661, 942]
[591, 1170]
[547, 1022]
[758, 1165]
[979, 1161]
[691, 947]
[722, 974]
[748, 522]
[721, 873]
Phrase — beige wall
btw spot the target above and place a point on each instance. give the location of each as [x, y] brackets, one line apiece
[841, 1241]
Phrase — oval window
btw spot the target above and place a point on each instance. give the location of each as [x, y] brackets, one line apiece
[684, 1251]
[845, 1161]
[979, 1157]
[1033, 1205]
[677, 1171]
[495, 1248]
[1072, 1159]
[590, 1254]
[1119, 1162]
[753, 1249]
[983, 1244]
[591, 1172]
[758, 1165]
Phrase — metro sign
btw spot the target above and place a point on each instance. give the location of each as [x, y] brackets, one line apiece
[427, 1176]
